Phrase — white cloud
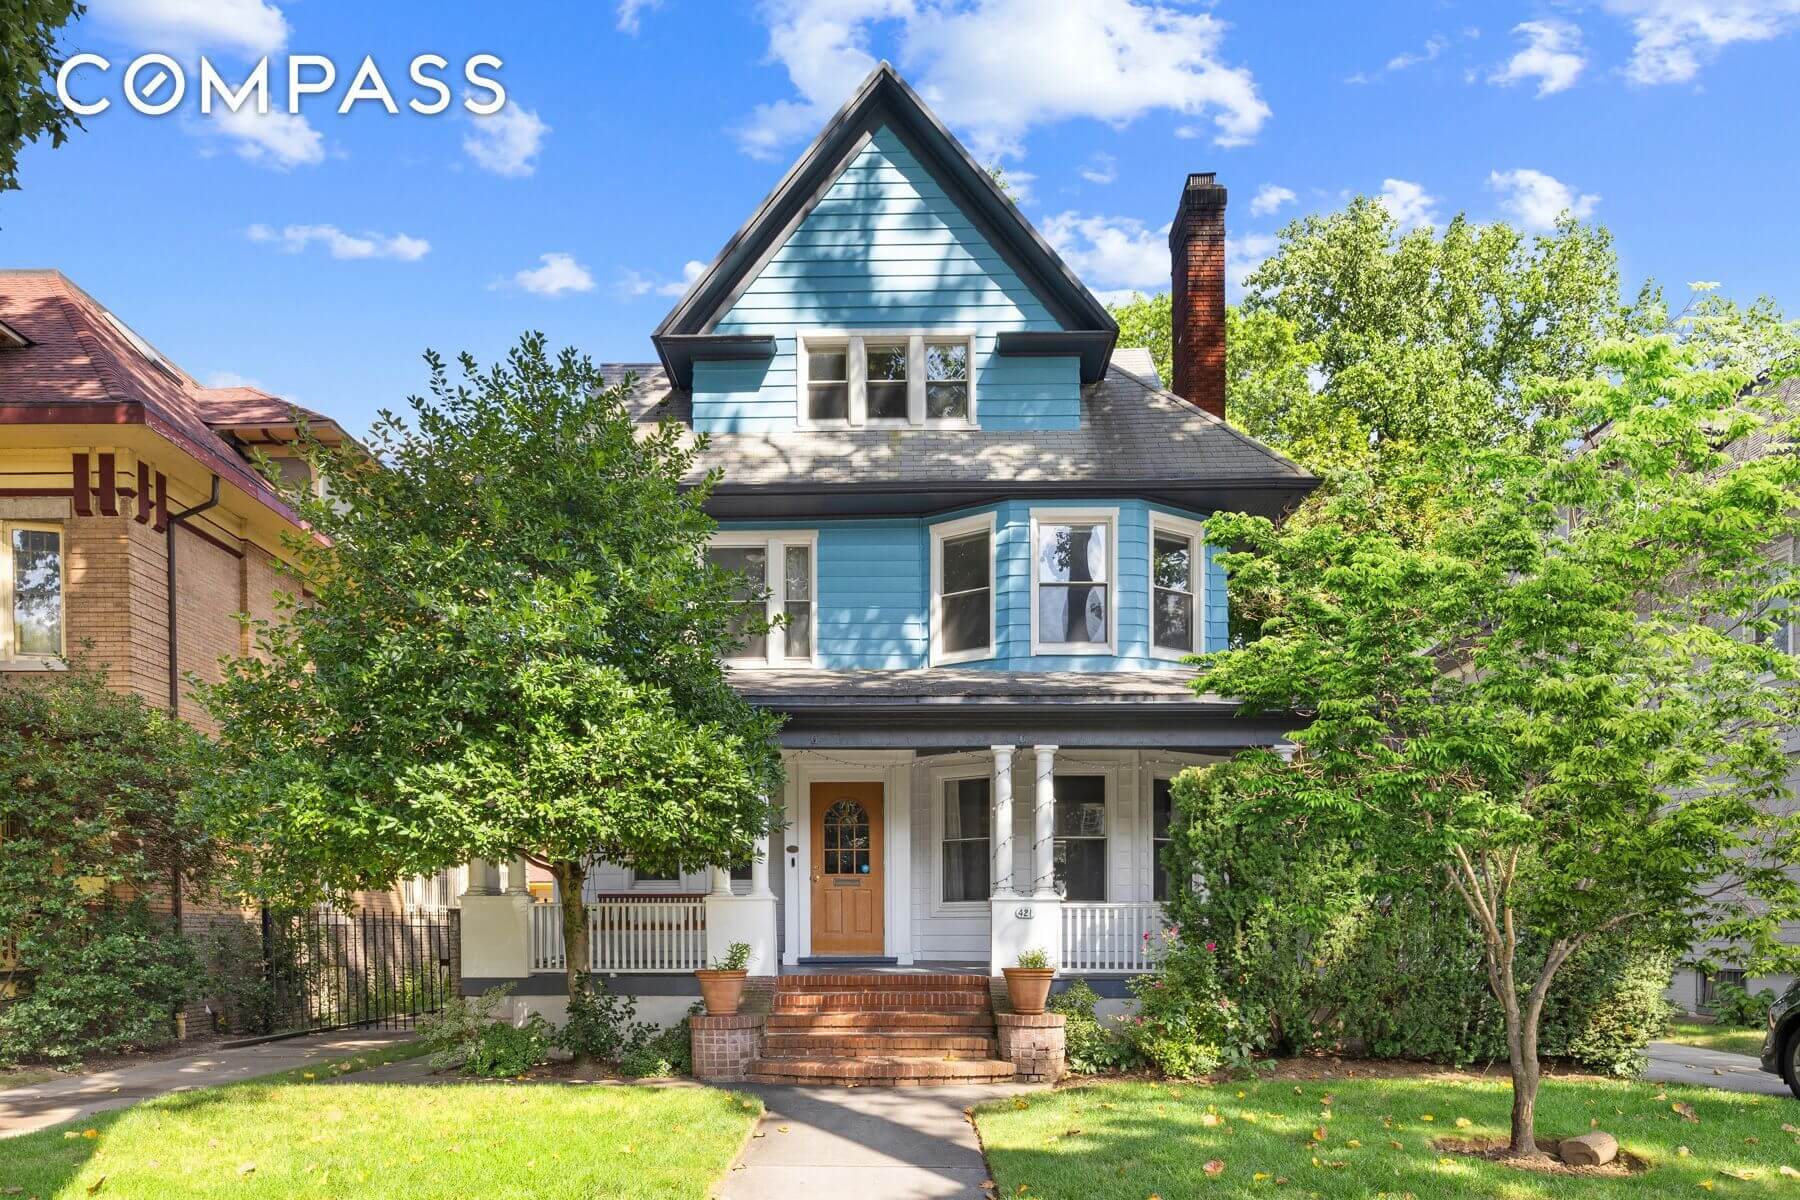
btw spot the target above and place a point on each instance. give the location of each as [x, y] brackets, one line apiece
[1434, 46]
[272, 139]
[1408, 203]
[995, 69]
[1242, 256]
[1270, 197]
[559, 273]
[292, 239]
[1101, 168]
[1552, 56]
[1111, 252]
[630, 12]
[1537, 199]
[505, 142]
[637, 283]
[225, 379]
[1676, 37]
[252, 26]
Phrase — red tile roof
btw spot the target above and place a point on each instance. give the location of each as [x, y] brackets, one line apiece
[82, 368]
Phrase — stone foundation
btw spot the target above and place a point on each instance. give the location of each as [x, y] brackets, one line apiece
[724, 1047]
[1033, 1043]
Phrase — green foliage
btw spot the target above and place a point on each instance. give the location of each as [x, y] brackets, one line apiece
[1145, 321]
[95, 803]
[232, 956]
[1033, 960]
[601, 1025]
[503, 1050]
[1185, 1023]
[453, 1033]
[666, 1053]
[29, 60]
[735, 958]
[1735, 1005]
[511, 644]
[111, 989]
[1091, 1046]
[1550, 696]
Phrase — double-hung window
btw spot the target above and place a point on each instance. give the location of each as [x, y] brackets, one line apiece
[1162, 815]
[1072, 572]
[1177, 601]
[965, 845]
[891, 378]
[1079, 852]
[775, 589]
[31, 593]
[962, 590]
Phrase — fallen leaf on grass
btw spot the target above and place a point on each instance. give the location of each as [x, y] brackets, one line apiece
[246, 1168]
[1396, 1145]
[95, 1186]
[1707, 1184]
[1214, 1166]
[1682, 1152]
[1318, 1134]
[1789, 1171]
[1426, 1117]
[1354, 1144]
[1686, 1111]
[1260, 1176]
[1211, 1119]
[1463, 1122]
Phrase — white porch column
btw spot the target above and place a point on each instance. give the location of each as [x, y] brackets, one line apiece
[1002, 823]
[495, 929]
[748, 919]
[759, 869]
[721, 881]
[1043, 835]
[481, 880]
[518, 877]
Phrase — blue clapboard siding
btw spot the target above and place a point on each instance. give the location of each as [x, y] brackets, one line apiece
[875, 599]
[886, 248]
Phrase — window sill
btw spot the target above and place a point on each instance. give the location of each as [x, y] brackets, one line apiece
[966, 656]
[27, 665]
[1175, 656]
[1072, 650]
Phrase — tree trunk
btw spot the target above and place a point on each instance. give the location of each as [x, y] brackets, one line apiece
[571, 881]
[1525, 1078]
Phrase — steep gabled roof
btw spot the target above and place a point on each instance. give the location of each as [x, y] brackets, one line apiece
[882, 99]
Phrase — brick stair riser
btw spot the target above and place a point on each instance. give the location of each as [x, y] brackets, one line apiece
[781, 1045]
[879, 1002]
[801, 984]
[877, 1070]
[883, 1022]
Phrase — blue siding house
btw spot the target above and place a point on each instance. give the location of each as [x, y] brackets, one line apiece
[980, 530]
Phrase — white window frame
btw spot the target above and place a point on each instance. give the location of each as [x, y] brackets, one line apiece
[10, 656]
[775, 544]
[939, 777]
[854, 343]
[939, 535]
[1078, 516]
[1109, 773]
[1195, 533]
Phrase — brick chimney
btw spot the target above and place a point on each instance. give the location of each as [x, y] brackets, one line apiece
[1197, 251]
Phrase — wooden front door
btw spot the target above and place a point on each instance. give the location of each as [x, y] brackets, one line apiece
[846, 869]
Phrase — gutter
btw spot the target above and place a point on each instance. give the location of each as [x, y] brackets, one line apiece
[174, 639]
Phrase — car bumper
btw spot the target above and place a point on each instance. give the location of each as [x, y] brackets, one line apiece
[1771, 1053]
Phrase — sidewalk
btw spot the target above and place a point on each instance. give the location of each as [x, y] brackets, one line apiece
[1672, 1063]
[37, 1106]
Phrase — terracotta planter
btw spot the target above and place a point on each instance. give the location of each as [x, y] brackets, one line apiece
[1028, 987]
[722, 991]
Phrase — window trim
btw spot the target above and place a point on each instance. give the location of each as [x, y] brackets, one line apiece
[1109, 794]
[11, 658]
[854, 342]
[939, 777]
[774, 543]
[1077, 516]
[1195, 533]
[940, 533]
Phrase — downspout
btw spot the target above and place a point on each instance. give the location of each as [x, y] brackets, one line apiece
[175, 671]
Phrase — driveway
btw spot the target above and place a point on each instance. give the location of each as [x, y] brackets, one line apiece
[1671, 1063]
[37, 1106]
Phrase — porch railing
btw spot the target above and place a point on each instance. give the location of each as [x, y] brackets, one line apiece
[639, 936]
[1109, 937]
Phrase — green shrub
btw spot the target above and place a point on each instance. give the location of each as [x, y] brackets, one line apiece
[1733, 1005]
[503, 1050]
[735, 958]
[1091, 1046]
[112, 987]
[1033, 960]
[600, 1025]
[1185, 1024]
[469, 1035]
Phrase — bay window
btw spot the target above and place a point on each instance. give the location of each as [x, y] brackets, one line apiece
[31, 592]
[962, 590]
[774, 585]
[1071, 582]
[1177, 567]
[886, 378]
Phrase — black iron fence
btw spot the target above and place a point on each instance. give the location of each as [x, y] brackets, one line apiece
[325, 969]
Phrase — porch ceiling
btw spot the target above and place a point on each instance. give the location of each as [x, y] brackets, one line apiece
[965, 709]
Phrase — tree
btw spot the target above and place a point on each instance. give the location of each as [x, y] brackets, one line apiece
[1145, 321]
[29, 60]
[97, 809]
[1561, 697]
[510, 644]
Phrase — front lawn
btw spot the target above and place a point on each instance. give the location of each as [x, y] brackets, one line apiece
[263, 1140]
[1371, 1137]
[1728, 1038]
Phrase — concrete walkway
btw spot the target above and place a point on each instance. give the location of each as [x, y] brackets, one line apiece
[40, 1105]
[910, 1143]
[1672, 1063]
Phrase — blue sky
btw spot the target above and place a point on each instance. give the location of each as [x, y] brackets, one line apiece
[318, 256]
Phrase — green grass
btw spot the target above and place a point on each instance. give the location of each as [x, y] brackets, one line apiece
[286, 1136]
[1705, 1036]
[1129, 1141]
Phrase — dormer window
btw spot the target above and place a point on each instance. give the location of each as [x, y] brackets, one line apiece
[894, 379]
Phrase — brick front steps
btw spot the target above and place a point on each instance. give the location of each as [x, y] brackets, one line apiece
[880, 1029]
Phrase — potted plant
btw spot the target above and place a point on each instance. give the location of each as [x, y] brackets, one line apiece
[1028, 984]
[722, 984]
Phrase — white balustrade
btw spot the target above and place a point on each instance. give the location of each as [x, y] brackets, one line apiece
[1110, 937]
[626, 936]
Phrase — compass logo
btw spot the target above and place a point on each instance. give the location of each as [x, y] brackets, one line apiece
[156, 84]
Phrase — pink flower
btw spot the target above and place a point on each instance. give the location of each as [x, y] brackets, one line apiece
[1211, 946]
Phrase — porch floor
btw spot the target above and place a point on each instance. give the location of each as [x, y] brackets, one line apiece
[862, 966]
